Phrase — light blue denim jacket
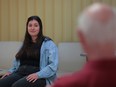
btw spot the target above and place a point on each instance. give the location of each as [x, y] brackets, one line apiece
[48, 62]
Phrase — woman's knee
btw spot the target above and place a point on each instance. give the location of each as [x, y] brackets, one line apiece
[4, 83]
[20, 83]
[17, 84]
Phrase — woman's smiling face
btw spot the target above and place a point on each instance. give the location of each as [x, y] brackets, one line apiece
[33, 28]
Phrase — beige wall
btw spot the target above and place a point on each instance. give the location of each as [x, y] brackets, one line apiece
[58, 16]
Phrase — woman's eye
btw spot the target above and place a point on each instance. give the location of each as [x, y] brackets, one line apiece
[36, 25]
[29, 25]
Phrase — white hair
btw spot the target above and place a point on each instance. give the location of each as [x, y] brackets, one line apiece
[98, 31]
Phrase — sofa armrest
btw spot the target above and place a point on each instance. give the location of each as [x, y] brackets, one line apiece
[2, 72]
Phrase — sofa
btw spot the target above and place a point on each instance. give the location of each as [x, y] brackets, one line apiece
[69, 56]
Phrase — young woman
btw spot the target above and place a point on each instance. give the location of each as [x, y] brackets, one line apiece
[36, 62]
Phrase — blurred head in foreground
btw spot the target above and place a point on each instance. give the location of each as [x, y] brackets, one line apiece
[97, 31]
[97, 34]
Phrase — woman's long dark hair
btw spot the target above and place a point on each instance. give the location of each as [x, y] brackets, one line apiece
[28, 40]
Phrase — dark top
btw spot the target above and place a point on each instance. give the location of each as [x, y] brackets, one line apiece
[100, 73]
[32, 56]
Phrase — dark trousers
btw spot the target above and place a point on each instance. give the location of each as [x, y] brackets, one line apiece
[18, 80]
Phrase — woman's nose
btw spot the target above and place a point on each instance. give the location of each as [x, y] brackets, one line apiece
[32, 27]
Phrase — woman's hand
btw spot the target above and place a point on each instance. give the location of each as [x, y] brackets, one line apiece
[7, 74]
[32, 77]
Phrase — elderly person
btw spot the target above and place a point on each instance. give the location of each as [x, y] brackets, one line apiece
[97, 34]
